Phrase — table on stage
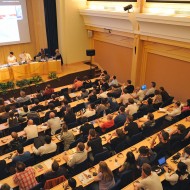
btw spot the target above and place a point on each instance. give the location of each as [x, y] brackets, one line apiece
[18, 72]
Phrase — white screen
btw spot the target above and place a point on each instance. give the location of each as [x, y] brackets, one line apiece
[13, 22]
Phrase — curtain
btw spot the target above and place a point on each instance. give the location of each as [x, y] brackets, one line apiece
[51, 25]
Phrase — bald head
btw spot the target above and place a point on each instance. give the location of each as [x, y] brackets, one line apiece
[30, 122]
[52, 115]
[14, 135]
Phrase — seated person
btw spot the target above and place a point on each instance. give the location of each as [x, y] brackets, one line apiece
[104, 125]
[84, 94]
[151, 90]
[11, 58]
[41, 54]
[95, 142]
[12, 120]
[131, 127]
[56, 171]
[21, 156]
[77, 84]
[103, 93]
[104, 84]
[87, 82]
[37, 107]
[90, 111]
[185, 158]
[78, 157]
[58, 56]
[116, 138]
[125, 97]
[67, 137]
[55, 100]
[24, 112]
[157, 99]
[150, 180]
[164, 94]
[174, 111]
[17, 141]
[139, 94]
[130, 163]
[132, 107]
[48, 147]
[147, 107]
[104, 105]
[3, 169]
[92, 97]
[121, 118]
[130, 88]
[5, 115]
[85, 127]
[25, 57]
[177, 179]
[70, 116]
[51, 109]
[148, 122]
[114, 92]
[105, 76]
[113, 81]
[2, 105]
[23, 97]
[186, 107]
[146, 155]
[25, 177]
[54, 123]
[48, 90]
[72, 184]
[163, 147]
[31, 130]
[5, 186]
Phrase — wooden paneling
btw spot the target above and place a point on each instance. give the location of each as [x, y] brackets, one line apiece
[116, 59]
[37, 29]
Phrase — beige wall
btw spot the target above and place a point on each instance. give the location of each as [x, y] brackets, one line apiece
[73, 40]
[36, 22]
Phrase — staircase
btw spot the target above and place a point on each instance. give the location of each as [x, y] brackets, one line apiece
[97, 70]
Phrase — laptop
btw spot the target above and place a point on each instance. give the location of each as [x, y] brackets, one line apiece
[159, 169]
[143, 87]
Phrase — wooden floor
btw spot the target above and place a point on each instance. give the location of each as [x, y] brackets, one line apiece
[69, 69]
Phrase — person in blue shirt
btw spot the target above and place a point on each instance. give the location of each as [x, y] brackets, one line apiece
[121, 118]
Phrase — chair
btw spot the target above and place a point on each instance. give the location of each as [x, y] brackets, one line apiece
[58, 131]
[167, 102]
[15, 129]
[78, 107]
[30, 161]
[101, 156]
[136, 138]
[74, 144]
[121, 146]
[45, 156]
[116, 186]
[78, 168]
[53, 182]
[72, 125]
[91, 118]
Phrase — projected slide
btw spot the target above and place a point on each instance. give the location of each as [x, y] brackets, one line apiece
[14, 27]
[9, 16]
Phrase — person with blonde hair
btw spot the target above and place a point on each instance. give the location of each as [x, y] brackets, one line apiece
[104, 178]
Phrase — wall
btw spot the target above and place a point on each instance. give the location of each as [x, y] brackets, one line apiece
[114, 54]
[36, 22]
[73, 40]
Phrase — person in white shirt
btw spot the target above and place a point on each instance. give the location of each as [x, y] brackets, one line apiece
[132, 107]
[125, 97]
[48, 147]
[31, 130]
[54, 123]
[11, 58]
[181, 173]
[186, 157]
[25, 57]
[152, 89]
[103, 93]
[150, 180]
[174, 111]
[90, 111]
[78, 157]
[113, 81]
[140, 94]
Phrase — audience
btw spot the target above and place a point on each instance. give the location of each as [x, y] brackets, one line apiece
[77, 84]
[121, 118]
[90, 111]
[23, 97]
[148, 122]
[48, 90]
[139, 94]
[5, 114]
[130, 163]
[21, 156]
[157, 99]
[78, 157]
[104, 105]
[132, 107]
[37, 107]
[12, 120]
[125, 97]
[17, 141]
[24, 177]
[92, 97]
[5, 186]
[130, 88]
[3, 169]
[152, 89]
[67, 137]
[185, 158]
[103, 93]
[95, 142]
[48, 147]
[113, 81]
[186, 107]
[164, 94]
[174, 111]
[105, 125]
[72, 184]
[147, 107]
[31, 130]
[54, 123]
[105, 76]
[104, 178]
[24, 111]
[150, 180]
[70, 116]
[56, 171]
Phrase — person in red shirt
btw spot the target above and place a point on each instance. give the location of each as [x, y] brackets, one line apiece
[24, 177]
[77, 83]
[48, 90]
[106, 124]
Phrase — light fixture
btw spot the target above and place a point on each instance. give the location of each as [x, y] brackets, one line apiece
[128, 7]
